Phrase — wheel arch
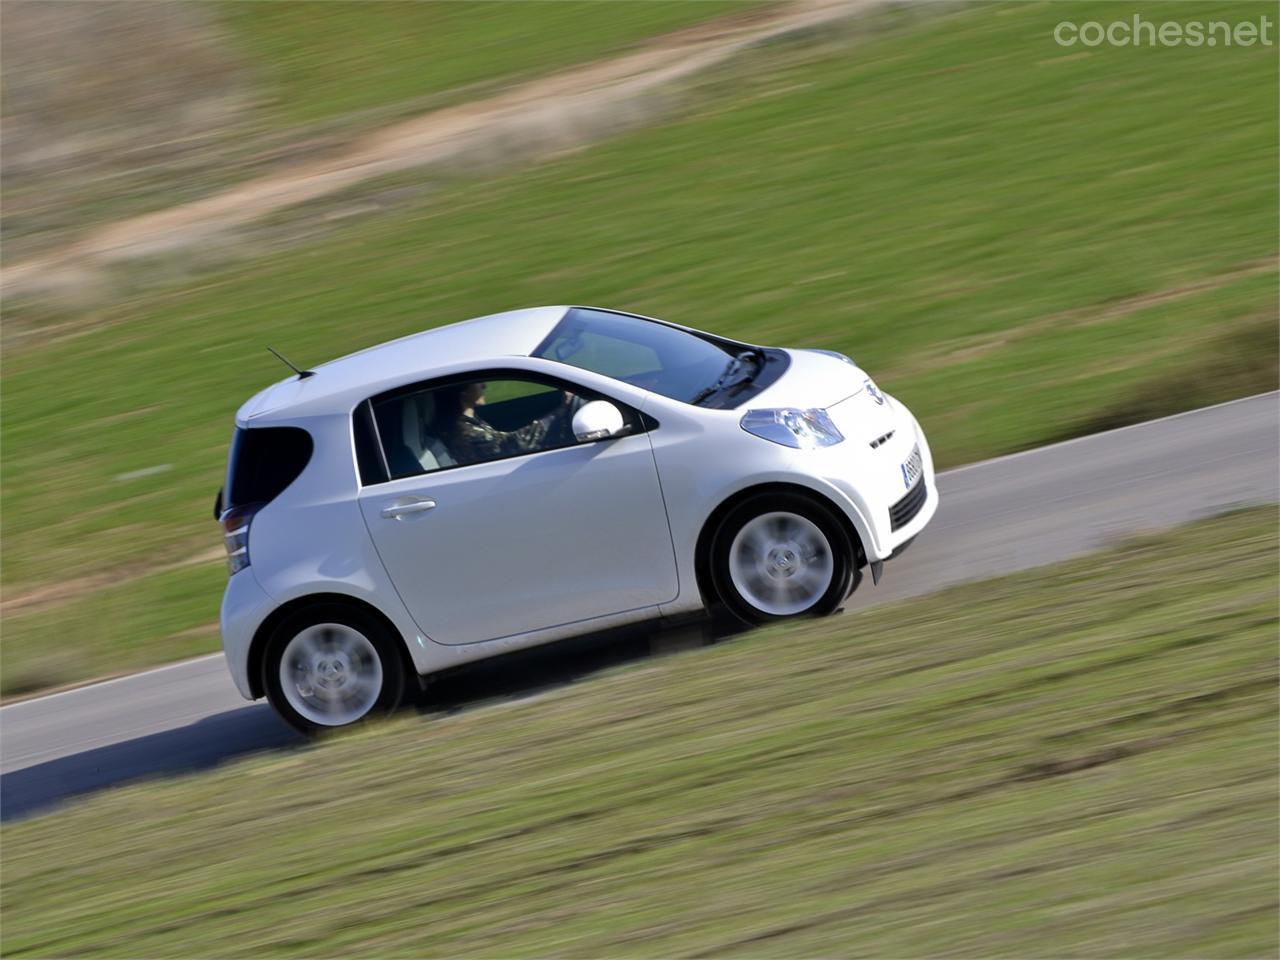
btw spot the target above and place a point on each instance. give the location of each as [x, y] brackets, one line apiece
[702, 549]
[258, 646]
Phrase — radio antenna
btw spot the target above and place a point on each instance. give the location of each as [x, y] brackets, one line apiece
[302, 374]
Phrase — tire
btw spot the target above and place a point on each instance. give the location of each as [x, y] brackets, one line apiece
[332, 665]
[777, 556]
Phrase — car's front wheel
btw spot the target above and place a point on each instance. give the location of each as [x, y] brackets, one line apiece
[332, 665]
[780, 555]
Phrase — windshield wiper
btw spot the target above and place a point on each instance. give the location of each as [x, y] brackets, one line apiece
[726, 378]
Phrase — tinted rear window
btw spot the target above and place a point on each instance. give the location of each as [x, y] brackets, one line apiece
[263, 462]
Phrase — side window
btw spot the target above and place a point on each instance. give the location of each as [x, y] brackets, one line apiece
[473, 421]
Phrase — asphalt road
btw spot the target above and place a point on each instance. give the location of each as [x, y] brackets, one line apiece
[996, 517]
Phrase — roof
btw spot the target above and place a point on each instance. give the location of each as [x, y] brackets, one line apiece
[391, 364]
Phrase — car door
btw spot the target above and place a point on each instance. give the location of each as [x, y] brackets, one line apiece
[490, 541]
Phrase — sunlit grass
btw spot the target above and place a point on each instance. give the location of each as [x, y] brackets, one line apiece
[325, 63]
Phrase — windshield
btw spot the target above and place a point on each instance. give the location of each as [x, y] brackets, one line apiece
[644, 353]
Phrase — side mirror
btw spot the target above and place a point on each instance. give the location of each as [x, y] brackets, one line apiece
[597, 420]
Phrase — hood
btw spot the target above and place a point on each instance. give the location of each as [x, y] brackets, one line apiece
[868, 416]
[813, 379]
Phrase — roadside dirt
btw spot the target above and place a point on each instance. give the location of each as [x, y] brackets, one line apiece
[107, 104]
[537, 119]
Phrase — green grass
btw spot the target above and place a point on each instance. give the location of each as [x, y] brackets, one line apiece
[114, 628]
[317, 63]
[1017, 240]
[1078, 761]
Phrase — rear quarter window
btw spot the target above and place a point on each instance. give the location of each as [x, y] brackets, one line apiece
[264, 461]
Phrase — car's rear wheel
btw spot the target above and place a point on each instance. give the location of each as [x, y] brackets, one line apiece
[780, 555]
[330, 666]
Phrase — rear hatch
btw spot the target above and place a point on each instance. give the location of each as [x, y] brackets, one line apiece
[278, 395]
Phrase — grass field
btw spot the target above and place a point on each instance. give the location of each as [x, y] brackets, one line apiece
[1020, 242]
[321, 64]
[1077, 761]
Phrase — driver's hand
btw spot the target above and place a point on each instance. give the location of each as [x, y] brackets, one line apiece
[566, 399]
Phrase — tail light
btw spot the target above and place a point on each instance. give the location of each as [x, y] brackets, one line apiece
[235, 533]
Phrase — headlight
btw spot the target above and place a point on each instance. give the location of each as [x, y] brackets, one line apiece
[803, 429]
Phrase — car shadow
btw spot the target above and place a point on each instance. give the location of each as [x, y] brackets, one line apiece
[197, 746]
[527, 673]
[256, 728]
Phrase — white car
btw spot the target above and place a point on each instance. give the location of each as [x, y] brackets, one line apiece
[540, 474]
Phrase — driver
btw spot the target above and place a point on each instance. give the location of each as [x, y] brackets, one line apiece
[472, 440]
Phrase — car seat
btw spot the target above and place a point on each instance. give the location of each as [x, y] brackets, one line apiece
[418, 411]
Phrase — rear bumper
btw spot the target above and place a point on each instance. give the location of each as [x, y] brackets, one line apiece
[245, 605]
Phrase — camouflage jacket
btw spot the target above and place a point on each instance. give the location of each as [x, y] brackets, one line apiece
[473, 441]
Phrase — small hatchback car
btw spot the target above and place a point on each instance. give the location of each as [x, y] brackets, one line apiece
[540, 474]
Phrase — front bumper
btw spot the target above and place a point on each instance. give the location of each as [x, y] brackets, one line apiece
[869, 482]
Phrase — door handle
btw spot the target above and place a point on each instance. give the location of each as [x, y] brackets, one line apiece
[398, 510]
